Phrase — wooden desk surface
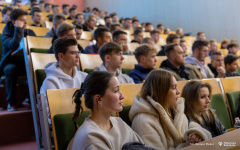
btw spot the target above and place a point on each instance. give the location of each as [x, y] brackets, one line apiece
[228, 141]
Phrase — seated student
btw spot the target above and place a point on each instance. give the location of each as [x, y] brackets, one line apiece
[6, 11]
[65, 9]
[197, 95]
[135, 24]
[137, 36]
[232, 48]
[213, 47]
[102, 36]
[112, 57]
[63, 74]
[216, 65]
[231, 65]
[47, 7]
[57, 20]
[183, 45]
[55, 11]
[157, 114]
[175, 63]
[79, 19]
[127, 24]
[180, 33]
[160, 28]
[200, 36]
[172, 38]
[120, 37]
[78, 30]
[72, 14]
[148, 27]
[100, 130]
[146, 57]
[167, 31]
[90, 23]
[225, 43]
[155, 35]
[13, 65]
[65, 30]
[196, 62]
[114, 27]
[36, 17]
[149, 41]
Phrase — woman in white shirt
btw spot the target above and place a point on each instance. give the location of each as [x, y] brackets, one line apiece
[100, 130]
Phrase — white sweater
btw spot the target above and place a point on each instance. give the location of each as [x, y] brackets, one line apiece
[158, 130]
[122, 78]
[57, 79]
[91, 137]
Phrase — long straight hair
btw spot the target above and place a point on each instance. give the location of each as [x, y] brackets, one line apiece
[157, 85]
[191, 93]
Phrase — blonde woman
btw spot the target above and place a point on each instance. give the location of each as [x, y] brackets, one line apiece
[197, 96]
[157, 114]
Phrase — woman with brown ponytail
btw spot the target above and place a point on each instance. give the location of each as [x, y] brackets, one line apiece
[101, 131]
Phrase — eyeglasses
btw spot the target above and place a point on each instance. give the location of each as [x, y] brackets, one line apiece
[75, 52]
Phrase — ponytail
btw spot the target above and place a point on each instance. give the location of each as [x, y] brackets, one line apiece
[78, 107]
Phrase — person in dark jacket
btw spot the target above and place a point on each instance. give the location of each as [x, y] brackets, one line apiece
[13, 65]
[146, 57]
[197, 95]
[216, 65]
[175, 62]
[231, 65]
[172, 38]
[65, 30]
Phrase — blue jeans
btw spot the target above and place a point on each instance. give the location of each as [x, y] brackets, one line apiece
[12, 71]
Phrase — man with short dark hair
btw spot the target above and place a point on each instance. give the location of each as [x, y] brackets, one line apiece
[79, 19]
[72, 13]
[231, 65]
[155, 35]
[135, 24]
[102, 36]
[213, 47]
[120, 37]
[200, 51]
[78, 30]
[114, 27]
[57, 20]
[55, 11]
[146, 57]
[175, 62]
[6, 14]
[112, 57]
[200, 36]
[232, 48]
[47, 7]
[65, 8]
[172, 38]
[183, 45]
[36, 17]
[63, 74]
[13, 65]
[41, 5]
[148, 40]
[216, 65]
[65, 30]
[137, 36]
[148, 27]
[127, 24]
[160, 28]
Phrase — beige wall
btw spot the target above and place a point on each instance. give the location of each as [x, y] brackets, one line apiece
[218, 19]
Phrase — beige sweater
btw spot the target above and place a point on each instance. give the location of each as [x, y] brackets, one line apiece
[90, 137]
[158, 130]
